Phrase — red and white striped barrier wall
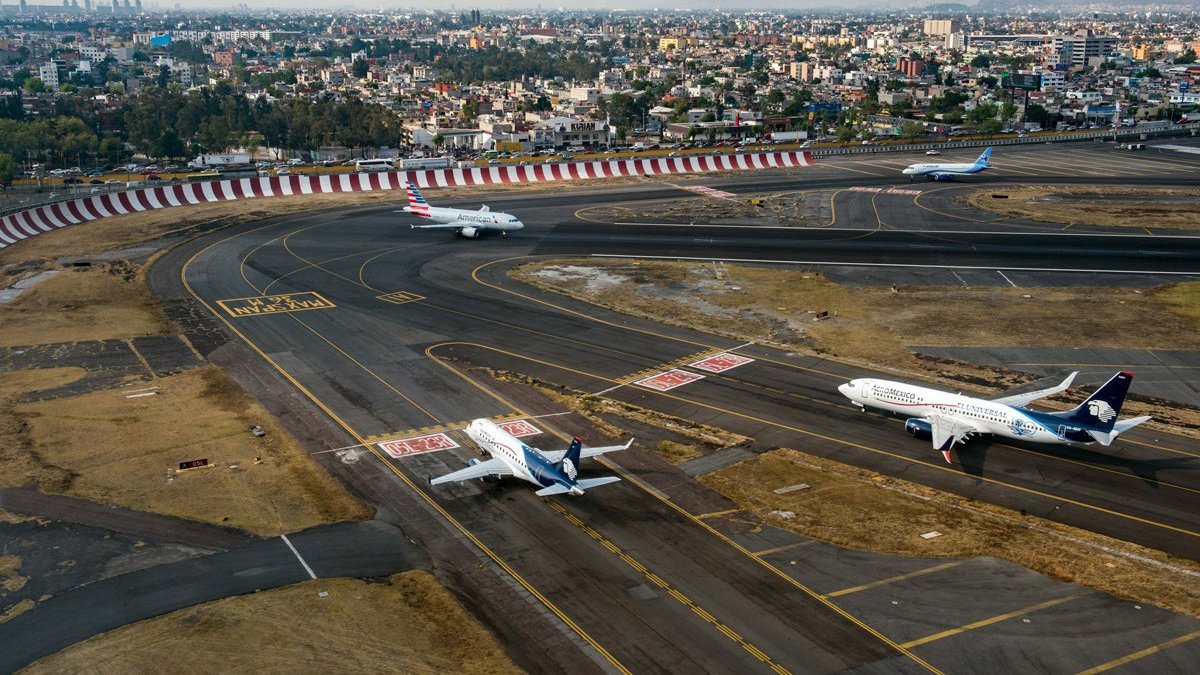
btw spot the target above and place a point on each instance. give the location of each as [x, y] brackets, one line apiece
[18, 226]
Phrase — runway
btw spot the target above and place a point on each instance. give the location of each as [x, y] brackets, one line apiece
[642, 582]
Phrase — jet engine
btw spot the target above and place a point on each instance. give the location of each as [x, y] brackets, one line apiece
[919, 428]
[469, 232]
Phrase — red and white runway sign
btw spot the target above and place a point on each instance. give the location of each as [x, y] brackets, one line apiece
[668, 380]
[403, 447]
[719, 363]
[25, 224]
[520, 428]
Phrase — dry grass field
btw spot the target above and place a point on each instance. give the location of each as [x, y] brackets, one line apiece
[1081, 205]
[409, 625]
[95, 303]
[110, 448]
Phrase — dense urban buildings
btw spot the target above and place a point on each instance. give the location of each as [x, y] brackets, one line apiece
[147, 85]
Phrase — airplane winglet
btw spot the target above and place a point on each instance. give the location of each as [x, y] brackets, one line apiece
[946, 454]
[629, 444]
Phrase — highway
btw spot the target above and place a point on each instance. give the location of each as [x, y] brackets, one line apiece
[643, 583]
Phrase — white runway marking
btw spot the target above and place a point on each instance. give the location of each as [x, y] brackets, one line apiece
[308, 569]
[1179, 148]
[1010, 283]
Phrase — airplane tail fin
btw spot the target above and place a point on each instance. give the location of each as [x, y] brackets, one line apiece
[416, 201]
[1099, 412]
[569, 464]
[984, 157]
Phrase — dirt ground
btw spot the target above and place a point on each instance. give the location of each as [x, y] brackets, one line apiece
[862, 510]
[1106, 206]
[108, 447]
[95, 303]
[875, 326]
[805, 207]
[410, 624]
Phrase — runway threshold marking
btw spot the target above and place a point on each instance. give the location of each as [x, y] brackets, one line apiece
[992, 620]
[1162, 646]
[612, 466]
[898, 577]
[658, 581]
[274, 304]
[470, 536]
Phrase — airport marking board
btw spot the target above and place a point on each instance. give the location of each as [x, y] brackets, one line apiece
[416, 445]
[274, 304]
[520, 428]
[719, 363]
[400, 297]
[667, 380]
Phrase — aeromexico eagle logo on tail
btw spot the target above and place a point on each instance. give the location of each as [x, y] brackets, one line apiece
[1101, 410]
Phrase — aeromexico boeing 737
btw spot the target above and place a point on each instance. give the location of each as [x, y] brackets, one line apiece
[944, 171]
[946, 418]
[554, 472]
[464, 222]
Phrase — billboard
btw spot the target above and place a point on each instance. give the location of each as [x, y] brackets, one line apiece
[1021, 81]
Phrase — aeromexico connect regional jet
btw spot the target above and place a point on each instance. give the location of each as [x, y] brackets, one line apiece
[465, 223]
[554, 472]
[944, 171]
[947, 418]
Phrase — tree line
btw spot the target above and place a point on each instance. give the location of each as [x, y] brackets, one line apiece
[166, 124]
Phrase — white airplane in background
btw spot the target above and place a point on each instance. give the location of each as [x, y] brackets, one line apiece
[554, 472]
[464, 222]
[943, 170]
[946, 418]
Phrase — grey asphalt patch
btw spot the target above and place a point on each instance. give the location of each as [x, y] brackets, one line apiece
[1165, 374]
[15, 291]
[1086, 629]
[370, 548]
[166, 354]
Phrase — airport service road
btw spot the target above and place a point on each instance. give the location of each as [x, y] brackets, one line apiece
[378, 322]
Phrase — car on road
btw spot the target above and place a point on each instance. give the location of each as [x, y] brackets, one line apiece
[932, 152]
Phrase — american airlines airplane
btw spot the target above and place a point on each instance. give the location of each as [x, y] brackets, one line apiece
[944, 171]
[946, 418]
[465, 223]
[554, 472]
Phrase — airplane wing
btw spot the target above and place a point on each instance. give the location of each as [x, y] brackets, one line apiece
[556, 489]
[947, 432]
[557, 455]
[492, 467]
[456, 225]
[1019, 400]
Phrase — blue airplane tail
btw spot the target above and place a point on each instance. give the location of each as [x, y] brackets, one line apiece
[984, 157]
[569, 464]
[1100, 411]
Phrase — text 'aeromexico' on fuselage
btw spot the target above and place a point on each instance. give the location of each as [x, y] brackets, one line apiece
[464, 222]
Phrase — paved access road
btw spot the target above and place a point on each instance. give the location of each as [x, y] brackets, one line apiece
[380, 323]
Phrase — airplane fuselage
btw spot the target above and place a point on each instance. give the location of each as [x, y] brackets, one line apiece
[491, 220]
[525, 462]
[987, 416]
[938, 171]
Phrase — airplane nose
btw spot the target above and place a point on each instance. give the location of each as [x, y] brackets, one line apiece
[845, 389]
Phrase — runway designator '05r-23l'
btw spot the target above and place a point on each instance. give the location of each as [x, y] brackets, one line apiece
[946, 418]
[554, 472]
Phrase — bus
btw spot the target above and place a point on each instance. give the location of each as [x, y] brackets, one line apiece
[370, 165]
